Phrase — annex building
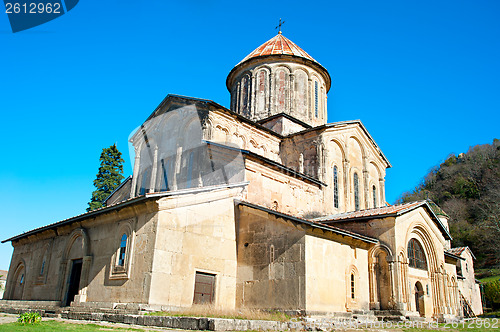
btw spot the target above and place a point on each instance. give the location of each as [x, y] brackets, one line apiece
[264, 205]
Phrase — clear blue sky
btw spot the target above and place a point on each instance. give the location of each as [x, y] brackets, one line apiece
[423, 76]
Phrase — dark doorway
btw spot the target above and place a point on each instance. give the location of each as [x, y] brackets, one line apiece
[419, 299]
[74, 280]
[383, 280]
[204, 285]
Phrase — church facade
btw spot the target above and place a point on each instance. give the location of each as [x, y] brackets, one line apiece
[264, 205]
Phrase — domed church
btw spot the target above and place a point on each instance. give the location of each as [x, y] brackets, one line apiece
[264, 205]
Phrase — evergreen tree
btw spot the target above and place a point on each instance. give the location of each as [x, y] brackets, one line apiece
[109, 176]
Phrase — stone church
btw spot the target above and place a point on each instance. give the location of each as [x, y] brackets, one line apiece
[264, 205]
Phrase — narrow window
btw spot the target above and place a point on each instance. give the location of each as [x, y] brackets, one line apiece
[190, 170]
[316, 98]
[352, 285]
[123, 249]
[22, 279]
[374, 189]
[43, 267]
[335, 187]
[356, 192]
[271, 254]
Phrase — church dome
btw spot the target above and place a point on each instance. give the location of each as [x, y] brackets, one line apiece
[279, 77]
[278, 45]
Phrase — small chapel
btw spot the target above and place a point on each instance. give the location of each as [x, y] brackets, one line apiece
[264, 205]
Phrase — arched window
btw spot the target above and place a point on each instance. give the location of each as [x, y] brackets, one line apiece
[356, 192]
[244, 95]
[261, 92]
[374, 189]
[335, 187]
[316, 98]
[281, 90]
[416, 255]
[352, 286]
[123, 250]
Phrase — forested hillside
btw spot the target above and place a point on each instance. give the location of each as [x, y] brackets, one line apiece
[467, 188]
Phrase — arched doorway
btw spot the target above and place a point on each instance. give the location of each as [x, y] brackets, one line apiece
[380, 279]
[419, 299]
[383, 281]
[19, 281]
[72, 265]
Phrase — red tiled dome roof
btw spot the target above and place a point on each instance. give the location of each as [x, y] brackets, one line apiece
[276, 46]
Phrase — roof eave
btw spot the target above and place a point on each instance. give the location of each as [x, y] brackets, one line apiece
[342, 123]
[453, 256]
[309, 223]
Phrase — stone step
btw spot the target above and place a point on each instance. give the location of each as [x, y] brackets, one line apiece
[103, 310]
[391, 318]
[363, 312]
[416, 318]
[388, 313]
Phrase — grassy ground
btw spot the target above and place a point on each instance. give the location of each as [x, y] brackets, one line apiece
[486, 275]
[59, 326]
[492, 278]
[491, 314]
[51, 325]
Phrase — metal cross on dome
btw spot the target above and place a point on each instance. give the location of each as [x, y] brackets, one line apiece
[279, 26]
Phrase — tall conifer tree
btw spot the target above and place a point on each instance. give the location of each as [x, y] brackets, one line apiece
[108, 178]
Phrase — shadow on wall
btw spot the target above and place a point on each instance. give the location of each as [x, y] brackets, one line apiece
[171, 152]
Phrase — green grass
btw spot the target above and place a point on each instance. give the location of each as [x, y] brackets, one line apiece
[486, 275]
[51, 325]
[491, 278]
[491, 314]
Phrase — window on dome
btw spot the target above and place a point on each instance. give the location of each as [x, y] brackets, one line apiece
[416, 255]
[335, 187]
[316, 98]
[356, 192]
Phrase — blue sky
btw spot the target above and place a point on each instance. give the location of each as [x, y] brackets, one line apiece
[423, 76]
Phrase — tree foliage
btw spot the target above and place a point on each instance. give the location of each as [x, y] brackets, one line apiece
[109, 176]
[467, 188]
[492, 293]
